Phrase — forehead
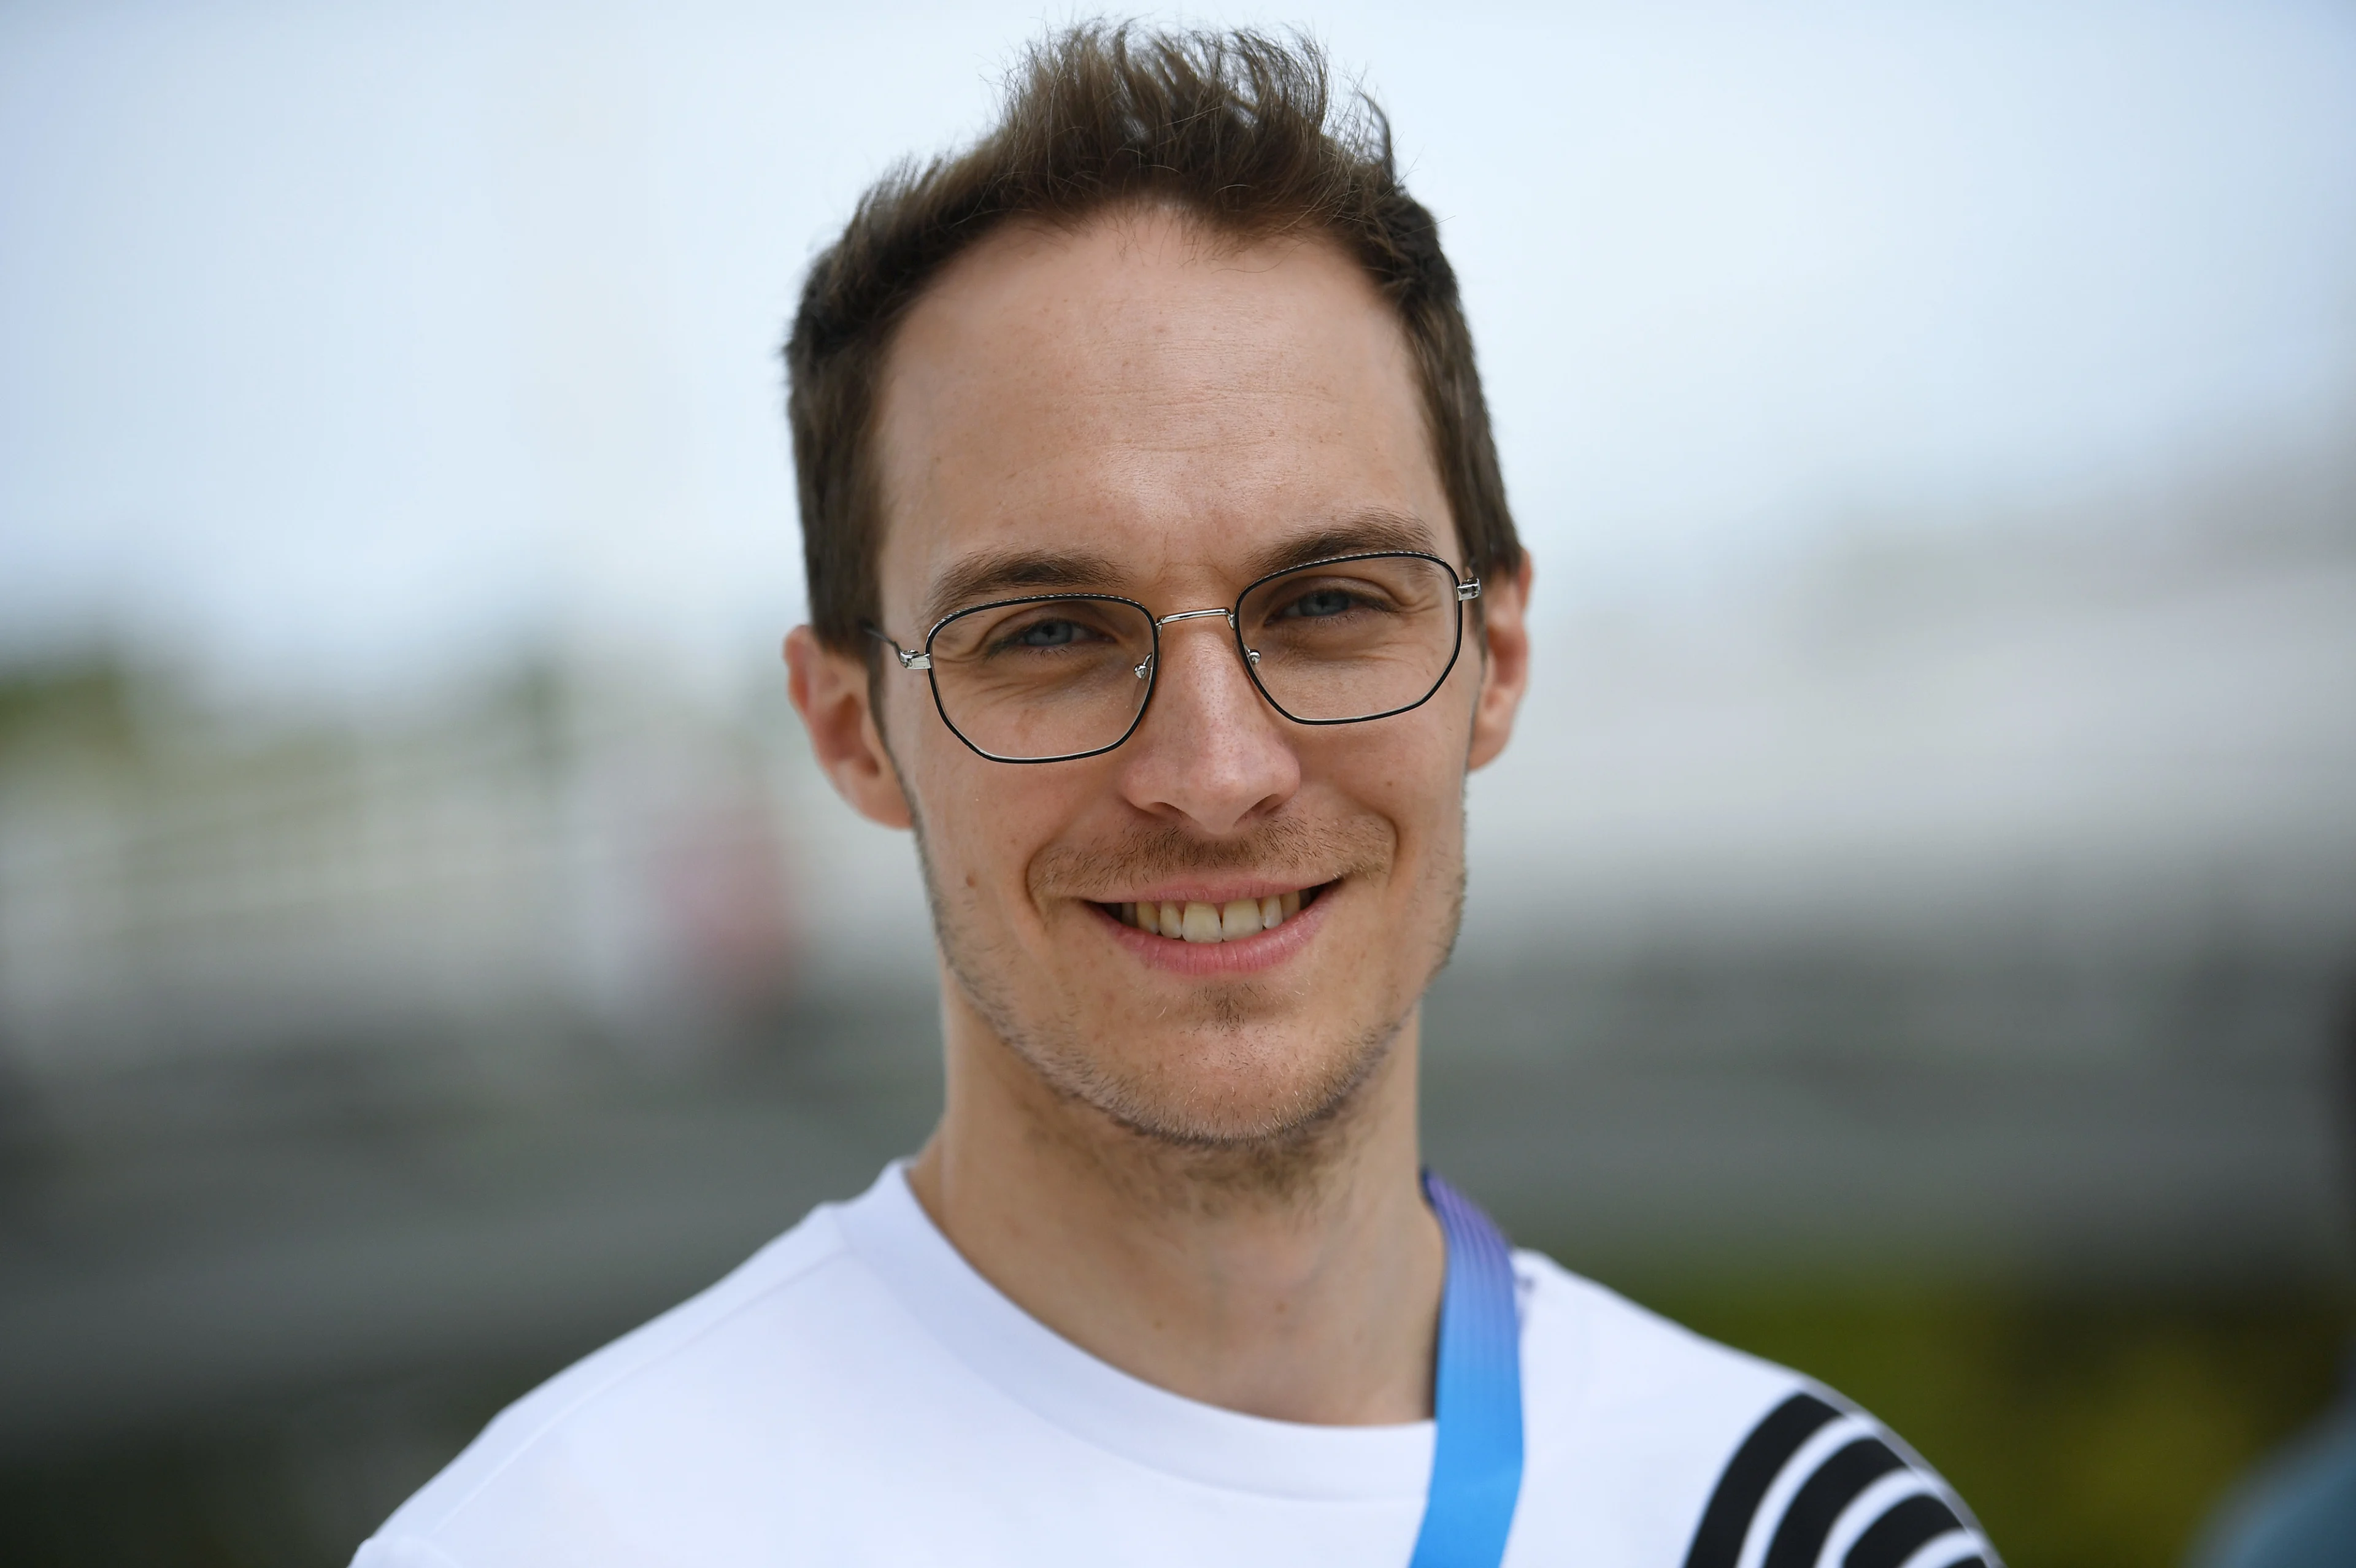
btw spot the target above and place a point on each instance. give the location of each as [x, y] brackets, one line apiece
[1138, 405]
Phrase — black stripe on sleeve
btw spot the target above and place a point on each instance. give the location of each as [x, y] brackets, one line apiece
[1718, 1539]
[1905, 1530]
[1820, 1499]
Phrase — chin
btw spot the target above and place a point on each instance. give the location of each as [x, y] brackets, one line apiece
[1215, 1088]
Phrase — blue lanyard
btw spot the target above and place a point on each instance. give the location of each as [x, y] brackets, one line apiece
[1476, 1455]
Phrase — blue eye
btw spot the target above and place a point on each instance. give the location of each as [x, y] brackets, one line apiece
[1320, 604]
[1050, 635]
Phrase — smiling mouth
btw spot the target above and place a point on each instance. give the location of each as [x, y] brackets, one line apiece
[1229, 921]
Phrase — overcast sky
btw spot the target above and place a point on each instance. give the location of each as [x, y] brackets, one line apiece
[342, 346]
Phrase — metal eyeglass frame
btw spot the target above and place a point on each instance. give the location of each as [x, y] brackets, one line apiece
[1467, 589]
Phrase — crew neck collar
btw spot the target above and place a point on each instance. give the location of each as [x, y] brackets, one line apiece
[1094, 1399]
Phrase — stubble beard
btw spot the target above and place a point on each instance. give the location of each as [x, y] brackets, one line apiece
[1194, 1150]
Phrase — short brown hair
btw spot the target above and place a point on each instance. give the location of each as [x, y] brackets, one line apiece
[1239, 129]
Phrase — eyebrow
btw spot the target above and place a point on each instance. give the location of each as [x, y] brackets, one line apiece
[994, 574]
[1361, 533]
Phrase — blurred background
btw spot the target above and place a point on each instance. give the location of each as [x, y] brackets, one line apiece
[1913, 934]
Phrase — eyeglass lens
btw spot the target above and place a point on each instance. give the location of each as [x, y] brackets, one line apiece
[1041, 679]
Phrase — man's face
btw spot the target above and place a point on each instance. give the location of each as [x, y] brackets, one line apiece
[1138, 409]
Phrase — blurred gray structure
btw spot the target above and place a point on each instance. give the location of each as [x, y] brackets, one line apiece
[175, 886]
[1974, 900]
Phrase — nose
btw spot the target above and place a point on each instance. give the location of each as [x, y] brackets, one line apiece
[1211, 751]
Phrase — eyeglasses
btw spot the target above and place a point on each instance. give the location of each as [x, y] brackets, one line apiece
[1057, 676]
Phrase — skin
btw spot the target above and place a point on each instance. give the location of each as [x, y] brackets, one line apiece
[1196, 1162]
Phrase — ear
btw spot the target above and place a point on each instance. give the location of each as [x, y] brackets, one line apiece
[829, 691]
[1505, 671]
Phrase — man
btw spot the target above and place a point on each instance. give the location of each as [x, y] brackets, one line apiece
[1162, 583]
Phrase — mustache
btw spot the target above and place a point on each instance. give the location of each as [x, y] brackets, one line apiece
[1281, 849]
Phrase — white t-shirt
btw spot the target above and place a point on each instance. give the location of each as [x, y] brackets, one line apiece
[856, 1393]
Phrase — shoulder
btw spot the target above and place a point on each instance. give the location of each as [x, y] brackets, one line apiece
[1648, 1442]
[633, 1389]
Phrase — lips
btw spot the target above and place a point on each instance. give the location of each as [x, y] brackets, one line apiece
[1200, 921]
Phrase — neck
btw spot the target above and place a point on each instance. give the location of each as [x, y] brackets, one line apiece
[1311, 1298]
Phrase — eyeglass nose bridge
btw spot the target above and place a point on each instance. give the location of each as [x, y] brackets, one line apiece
[1221, 611]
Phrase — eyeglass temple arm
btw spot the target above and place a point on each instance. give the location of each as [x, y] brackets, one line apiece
[907, 660]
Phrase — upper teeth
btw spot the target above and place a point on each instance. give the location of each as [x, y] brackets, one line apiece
[1213, 923]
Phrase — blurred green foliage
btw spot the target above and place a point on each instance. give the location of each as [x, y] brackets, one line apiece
[89, 703]
[2086, 1432]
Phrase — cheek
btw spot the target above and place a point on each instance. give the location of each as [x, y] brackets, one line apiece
[983, 822]
[1413, 774]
